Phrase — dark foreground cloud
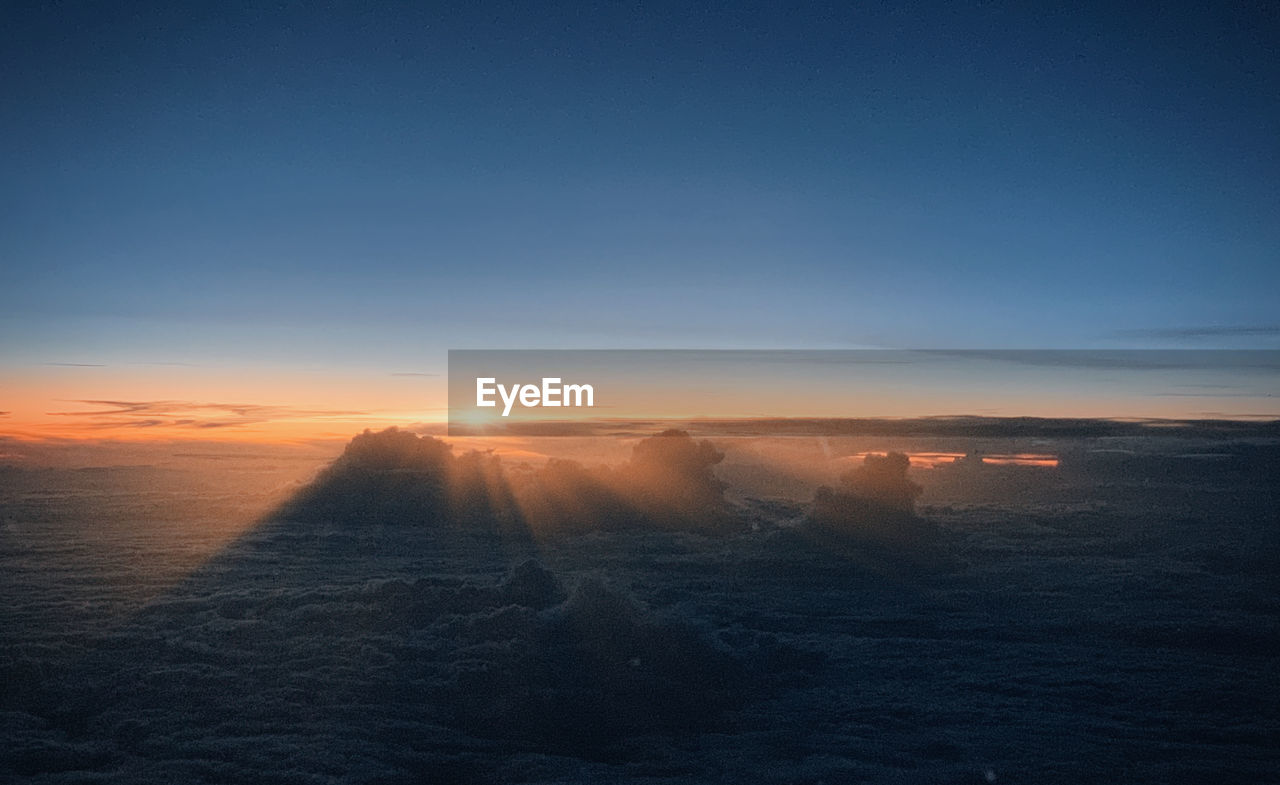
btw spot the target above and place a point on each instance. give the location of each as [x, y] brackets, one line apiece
[400, 680]
[873, 511]
[588, 671]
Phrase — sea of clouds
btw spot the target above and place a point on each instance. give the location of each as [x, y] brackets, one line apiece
[417, 616]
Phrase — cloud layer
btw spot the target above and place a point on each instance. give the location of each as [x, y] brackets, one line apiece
[1081, 628]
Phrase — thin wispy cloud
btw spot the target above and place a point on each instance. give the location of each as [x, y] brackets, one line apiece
[1168, 359]
[1202, 332]
[190, 414]
[1212, 395]
[165, 363]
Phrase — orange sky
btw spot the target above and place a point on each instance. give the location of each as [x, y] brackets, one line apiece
[177, 402]
[269, 404]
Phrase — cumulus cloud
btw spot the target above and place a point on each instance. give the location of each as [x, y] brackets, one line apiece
[588, 671]
[667, 483]
[874, 509]
[882, 479]
[395, 477]
[398, 477]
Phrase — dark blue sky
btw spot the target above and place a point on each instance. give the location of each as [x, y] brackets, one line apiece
[369, 184]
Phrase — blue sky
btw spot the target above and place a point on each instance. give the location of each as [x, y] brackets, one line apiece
[364, 185]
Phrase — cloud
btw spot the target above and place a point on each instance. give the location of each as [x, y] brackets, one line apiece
[592, 669]
[397, 477]
[189, 414]
[668, 483]
[1221, 394]
[883, 479]
[873, 511]
[313, 651]
[975, 426]
[378, 680]
[414, 373]
[166, 363]
[1217, 331]
[1126, 359]
[77, 365]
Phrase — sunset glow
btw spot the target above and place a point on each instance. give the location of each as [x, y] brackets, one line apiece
[639, 393]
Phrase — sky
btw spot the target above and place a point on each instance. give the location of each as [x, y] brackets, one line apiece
[304, 206]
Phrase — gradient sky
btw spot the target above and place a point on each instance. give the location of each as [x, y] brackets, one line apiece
[298, 197]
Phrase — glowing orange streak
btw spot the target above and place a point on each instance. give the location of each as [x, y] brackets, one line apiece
[931, 460]
[1022, 459]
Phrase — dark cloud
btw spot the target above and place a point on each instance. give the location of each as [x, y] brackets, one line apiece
[590, 670]
[413, 675]
[972, 426]
[882, 479]
[873, 510]
[395, 477]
